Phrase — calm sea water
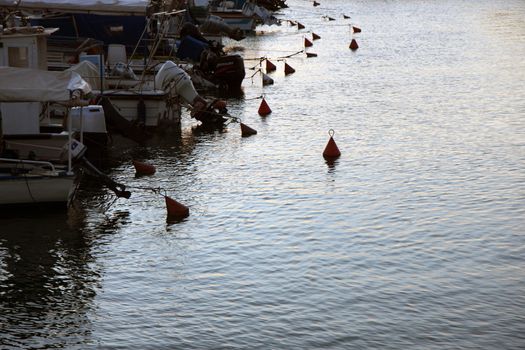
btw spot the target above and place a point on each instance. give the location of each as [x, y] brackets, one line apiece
[412, 239]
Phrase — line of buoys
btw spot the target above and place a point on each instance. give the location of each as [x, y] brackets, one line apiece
[356, 29]
[307, 43]
[311, 54]
[331, 151]
[266, 80]
[247, 131]
[175, 209]
[143, 168]
[300, 26]
[288, 69]
[270, 67]
[353, 45]
[315, 36]
[264, 109]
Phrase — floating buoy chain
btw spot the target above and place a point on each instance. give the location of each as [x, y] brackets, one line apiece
[156, 190]
[259, 63]
[257, 71]
[255, 58]
[282, 58]
[254, 98]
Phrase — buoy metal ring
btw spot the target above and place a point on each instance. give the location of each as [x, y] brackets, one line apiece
[331, 132]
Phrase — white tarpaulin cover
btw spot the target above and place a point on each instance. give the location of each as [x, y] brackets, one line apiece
[116, 7]
[89, 72]
[26, 85]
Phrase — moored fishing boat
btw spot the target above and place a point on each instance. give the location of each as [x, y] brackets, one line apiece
[34, 182]
[25, 176]
[40, 167]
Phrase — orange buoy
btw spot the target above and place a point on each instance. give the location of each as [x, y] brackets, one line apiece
[270, 67]
[331, 151]
[288, 69]
[315, 36]
[143, 168]
[266, 80]
[175, 209]
[307, 43]
[299, 26]
[353, 45]
[247, 131]
[311, 54]
[264, 109]
[356, 29]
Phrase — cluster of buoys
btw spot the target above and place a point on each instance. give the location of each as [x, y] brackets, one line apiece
[178, 211]
[331, 151]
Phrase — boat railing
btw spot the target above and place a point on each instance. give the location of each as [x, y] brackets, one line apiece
[29, 162]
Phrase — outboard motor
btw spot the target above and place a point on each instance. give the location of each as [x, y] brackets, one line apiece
[171, 76]
[227, 71]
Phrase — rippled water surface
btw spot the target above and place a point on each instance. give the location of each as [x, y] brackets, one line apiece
[413, 238]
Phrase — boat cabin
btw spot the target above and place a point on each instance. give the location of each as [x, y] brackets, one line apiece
[25, 47]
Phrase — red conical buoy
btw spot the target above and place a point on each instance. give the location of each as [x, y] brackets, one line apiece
[346, 17]
[316, 3]
[311, 54]
[270, 67]
[356, 29]
[247, 131]
[330, 18]
[143, 168]
[299, 26]
[264, 109]
[315, 36]
[307, 43]
[331, 150]
[175, 209]
[353, 45]
[288, 69]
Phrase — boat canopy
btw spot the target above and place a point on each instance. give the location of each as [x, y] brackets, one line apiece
[32, 85]
[100, 7]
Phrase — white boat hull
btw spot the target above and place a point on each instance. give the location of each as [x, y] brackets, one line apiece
[159, 108]
[31, 190]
